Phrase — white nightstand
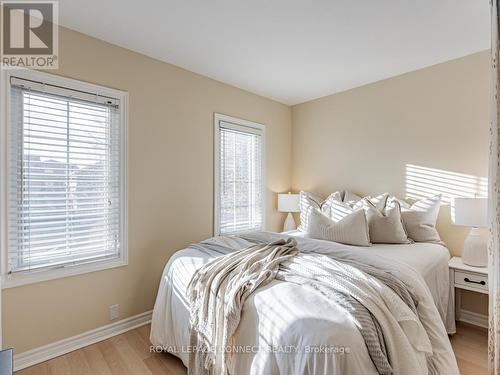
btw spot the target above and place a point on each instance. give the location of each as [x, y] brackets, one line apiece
[466, 277]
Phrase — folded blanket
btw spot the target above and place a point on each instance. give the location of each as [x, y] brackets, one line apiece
[217, 293]
[381, 306]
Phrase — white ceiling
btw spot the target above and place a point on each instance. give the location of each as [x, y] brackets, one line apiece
[289, 50]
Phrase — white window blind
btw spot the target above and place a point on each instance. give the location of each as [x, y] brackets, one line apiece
[64, 177]
[240, 180]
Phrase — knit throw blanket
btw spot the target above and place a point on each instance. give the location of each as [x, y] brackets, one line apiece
[382, 307]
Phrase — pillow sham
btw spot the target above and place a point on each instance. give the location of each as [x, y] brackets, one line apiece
[352, 229]
[385, 226]
[335, 209]
[379, 201]
[353, 199]
[420, 218]
[308, 202]
[350, 197]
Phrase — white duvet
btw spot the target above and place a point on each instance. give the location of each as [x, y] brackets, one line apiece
[287, 329]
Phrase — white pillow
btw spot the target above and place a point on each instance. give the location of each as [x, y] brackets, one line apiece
[420, 218]
[379, 201]
[336, 209]
[385, 225]
[350, 197]
[354, 200]
[308, 202]
[352, 229]
[337, 196]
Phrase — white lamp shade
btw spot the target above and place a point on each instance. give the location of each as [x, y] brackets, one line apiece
[470, 212]
[288, 202]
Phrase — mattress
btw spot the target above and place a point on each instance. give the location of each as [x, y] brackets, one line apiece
[281, 313]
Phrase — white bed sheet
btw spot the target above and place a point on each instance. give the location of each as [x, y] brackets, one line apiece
[287, 313]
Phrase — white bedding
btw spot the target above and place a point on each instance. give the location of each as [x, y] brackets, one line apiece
[282, 316]
[431, 262]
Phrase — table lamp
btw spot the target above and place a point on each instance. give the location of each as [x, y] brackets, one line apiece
[473, 212]
[288, 203]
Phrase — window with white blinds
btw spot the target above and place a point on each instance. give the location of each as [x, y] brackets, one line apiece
[64, 177]
[239, 175]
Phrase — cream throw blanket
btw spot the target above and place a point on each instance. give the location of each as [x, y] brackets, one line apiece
[218, 291]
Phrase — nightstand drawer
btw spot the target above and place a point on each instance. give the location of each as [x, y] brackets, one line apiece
[471, 280]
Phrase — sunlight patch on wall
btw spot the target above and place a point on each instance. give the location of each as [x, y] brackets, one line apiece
[422, 182]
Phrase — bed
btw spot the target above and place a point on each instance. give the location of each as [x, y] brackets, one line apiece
[298, 331]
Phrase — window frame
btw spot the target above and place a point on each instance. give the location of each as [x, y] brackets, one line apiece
[245, 126]
[10, 280]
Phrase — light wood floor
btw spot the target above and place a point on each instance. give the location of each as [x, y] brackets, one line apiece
[470, 345]
[128, 354]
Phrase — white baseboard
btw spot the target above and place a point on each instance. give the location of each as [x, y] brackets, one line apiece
[473, 318]
[55, 349]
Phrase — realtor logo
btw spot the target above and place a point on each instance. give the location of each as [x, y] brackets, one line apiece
[29, 34]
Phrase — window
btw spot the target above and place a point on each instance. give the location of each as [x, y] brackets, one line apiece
[65, 169]
[239, 175]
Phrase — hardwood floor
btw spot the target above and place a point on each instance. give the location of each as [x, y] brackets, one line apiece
[128, 354]
[470, 345]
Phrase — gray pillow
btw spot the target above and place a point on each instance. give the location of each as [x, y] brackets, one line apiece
[420, 219]
[385, 225]
[352, 229]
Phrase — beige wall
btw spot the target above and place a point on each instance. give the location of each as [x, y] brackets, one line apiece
[170, 186]
[363, 139]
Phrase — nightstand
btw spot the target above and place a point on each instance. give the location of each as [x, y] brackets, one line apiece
[465, 277]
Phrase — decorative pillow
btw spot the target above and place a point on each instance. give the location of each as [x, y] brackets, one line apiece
[337, 196]
[350, 197]
[336, 209]
[354, 199]
[420, 219]
[308, 202]
[352, 229]
[379, 201]
[385, 225]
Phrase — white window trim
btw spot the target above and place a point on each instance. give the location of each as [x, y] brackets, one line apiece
[247, 126]
[23, 278]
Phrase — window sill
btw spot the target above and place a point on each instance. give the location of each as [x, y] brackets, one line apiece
[24, 278]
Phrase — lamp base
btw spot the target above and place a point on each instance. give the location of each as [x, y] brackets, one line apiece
[289, 223]
[475, 251]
